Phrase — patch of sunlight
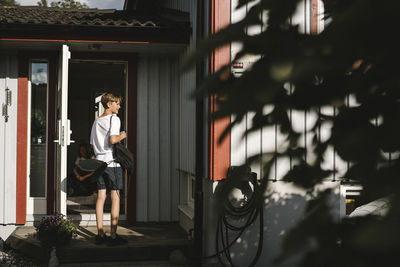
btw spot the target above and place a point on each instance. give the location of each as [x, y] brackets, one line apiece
[287, 86]
[214, 186]
[236, 194]
[127, 231]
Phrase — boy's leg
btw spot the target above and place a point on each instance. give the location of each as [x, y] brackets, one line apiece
[101, 198]
[115, 206]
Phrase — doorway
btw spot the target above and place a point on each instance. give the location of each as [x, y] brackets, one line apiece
[87, 81]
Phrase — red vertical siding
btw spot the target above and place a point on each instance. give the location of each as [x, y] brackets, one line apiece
[22, 141]
[219, 152]
[314, 16]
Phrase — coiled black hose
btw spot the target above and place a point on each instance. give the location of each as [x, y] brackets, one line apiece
[251, 208]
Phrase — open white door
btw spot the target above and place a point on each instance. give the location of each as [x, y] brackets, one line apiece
[63, 131]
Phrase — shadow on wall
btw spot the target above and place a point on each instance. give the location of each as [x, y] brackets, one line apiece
[281, 212]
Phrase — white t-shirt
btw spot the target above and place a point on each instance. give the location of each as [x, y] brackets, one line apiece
[100, 138]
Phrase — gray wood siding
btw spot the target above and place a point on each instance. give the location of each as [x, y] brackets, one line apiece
[187, 123]
[165, 142]
[187, 83]
[142, 141]
[8, 140]
[166, 128]
[159, 138]
[175, 140]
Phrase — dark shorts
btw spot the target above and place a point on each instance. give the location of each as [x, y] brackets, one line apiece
[111, 179]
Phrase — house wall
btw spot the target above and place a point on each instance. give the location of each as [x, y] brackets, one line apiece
[185, 110]
[8, 142]
[284, 203]
[187, 84]
[166, 137]
[158, 139]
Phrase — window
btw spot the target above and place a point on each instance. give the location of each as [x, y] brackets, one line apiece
[191, 190]
[38, 128]
[187, 186]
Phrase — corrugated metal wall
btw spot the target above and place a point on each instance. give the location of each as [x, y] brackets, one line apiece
[8, 139]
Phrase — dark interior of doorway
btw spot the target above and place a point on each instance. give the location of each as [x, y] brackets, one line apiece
[87, 81]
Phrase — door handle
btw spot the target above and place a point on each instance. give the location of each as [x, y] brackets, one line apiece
[5, 112]
[62, 132]
[60, 139]
[6, 105]
[69, 132]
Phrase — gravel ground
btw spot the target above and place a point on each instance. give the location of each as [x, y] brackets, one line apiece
[12, 258]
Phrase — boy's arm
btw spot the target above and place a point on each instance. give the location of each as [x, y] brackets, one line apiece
[114, 137]
[117, 138]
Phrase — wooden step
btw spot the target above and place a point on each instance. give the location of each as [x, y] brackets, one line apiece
[147, 241]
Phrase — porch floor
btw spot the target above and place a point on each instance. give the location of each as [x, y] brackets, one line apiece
[146, 242]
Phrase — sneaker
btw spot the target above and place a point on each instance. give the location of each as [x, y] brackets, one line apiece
[118, 240]
[101, 239]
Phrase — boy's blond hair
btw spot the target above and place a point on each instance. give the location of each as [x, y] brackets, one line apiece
[109, 97]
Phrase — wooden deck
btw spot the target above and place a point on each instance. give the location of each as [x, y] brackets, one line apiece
[146, 241]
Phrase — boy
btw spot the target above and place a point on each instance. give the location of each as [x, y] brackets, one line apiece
[106, 132]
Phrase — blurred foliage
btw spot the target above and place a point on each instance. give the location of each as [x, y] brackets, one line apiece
[64, 4]
[42, 3]
[356, 57]
[8, 3]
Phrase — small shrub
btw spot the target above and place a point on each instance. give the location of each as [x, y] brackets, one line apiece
[56, 230]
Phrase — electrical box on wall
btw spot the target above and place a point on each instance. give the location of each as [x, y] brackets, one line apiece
[238, 67]
[349, 198]
[243, 64]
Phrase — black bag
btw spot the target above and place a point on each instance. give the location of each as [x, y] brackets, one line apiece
[94, 166]
[123, 156]
[89, 185]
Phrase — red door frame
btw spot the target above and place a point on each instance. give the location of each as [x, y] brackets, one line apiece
[22, 125]
[22, 138]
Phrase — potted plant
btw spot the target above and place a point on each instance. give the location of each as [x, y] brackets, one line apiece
[56, 230]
